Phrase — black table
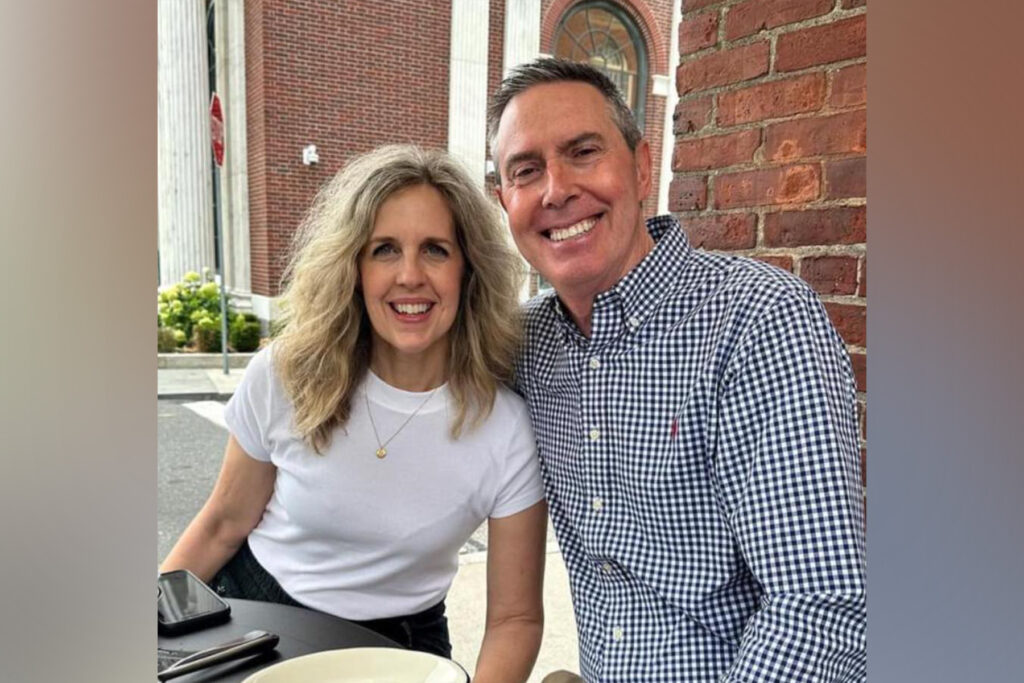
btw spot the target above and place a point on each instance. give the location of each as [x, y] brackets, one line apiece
[302, 632]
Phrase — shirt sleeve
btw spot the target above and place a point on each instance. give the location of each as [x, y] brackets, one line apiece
[788, 468]
[521, 485]
[249, 410]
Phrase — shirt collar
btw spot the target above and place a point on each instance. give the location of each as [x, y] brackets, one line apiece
[637, 294]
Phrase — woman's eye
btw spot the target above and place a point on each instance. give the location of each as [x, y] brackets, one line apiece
[436, 250]
[384, 249]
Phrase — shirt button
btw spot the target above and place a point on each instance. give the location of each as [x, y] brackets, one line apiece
[595, 434]
[606, 568]
[597, 503]
[634, 322]
[617, 633]
[594, 364]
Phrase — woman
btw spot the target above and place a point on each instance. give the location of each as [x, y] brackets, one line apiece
[374, 435]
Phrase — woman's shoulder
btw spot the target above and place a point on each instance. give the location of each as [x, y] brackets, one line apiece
[508, 404]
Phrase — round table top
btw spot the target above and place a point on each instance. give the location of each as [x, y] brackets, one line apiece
[302, 631]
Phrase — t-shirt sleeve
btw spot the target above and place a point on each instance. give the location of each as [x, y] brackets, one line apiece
[521, 486]
[249, 411]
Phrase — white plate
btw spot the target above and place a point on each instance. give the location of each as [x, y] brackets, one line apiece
[363, 665]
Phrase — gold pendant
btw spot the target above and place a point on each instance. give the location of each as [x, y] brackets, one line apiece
[381, 452]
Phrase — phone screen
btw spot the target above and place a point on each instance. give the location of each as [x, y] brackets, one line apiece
[181, 596]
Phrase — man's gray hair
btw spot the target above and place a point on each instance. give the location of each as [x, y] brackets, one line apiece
[552, 70]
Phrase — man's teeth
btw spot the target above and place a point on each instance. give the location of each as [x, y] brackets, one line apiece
[412, 309]
[573, 230]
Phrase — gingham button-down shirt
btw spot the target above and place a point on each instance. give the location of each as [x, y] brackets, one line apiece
[702, 469]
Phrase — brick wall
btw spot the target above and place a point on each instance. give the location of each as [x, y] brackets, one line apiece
[771, 142]
[345, 76]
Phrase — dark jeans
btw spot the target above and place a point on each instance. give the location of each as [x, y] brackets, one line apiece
[244, 577]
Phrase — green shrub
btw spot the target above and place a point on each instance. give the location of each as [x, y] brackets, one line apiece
[207, 334]
[165, 340]
[244, 333]
[183, 305]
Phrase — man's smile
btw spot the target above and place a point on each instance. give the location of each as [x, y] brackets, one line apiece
[579, 228]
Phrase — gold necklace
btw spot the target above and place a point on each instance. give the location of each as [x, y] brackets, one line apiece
[382, 449]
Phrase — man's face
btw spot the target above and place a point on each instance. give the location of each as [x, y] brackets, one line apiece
[571, 187]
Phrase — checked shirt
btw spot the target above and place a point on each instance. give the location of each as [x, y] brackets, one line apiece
[701, 462]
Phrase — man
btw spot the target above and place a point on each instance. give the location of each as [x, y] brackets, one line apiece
[694, 414]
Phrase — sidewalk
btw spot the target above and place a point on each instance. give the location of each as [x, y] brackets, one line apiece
[466, 600]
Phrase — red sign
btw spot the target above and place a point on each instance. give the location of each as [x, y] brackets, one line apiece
[217, 130]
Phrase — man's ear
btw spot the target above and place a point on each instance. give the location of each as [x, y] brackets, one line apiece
[497, 194]
[642, 157]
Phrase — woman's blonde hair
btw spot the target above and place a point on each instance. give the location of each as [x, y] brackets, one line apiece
[323, 350]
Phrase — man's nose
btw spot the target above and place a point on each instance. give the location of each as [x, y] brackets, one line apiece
[560, 187]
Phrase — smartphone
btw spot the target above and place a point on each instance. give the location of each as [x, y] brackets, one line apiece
[184, 603]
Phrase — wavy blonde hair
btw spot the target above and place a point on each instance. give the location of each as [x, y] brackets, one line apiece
[323, 350]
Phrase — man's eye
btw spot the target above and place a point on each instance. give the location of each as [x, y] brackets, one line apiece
[523, 173]
[584, 152]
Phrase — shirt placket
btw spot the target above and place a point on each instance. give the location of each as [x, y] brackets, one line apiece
[595, 365]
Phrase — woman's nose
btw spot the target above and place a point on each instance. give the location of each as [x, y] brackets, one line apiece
[410, 271]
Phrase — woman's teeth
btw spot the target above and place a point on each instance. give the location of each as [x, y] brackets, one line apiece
[411, 309]
[573, 230]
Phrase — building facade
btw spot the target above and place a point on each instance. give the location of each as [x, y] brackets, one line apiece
[755, 110]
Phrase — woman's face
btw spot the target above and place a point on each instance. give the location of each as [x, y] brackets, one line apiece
[411, 274]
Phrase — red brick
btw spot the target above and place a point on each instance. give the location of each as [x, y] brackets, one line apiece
[719, 151]
[846, 178]
[860, 375]
[845, 133]
[722, 231]
[847, 4]
[690, 5]
[784, 185]
[864, 472]
[772, 100]
[698, 31]
[723, 67]
[862, 289]
[688, 193]
[784, 262]
[752, 16]
[850, 320]
[830, 274]
[843, 39]
[849, 87]
[691, 115]
[839, 225]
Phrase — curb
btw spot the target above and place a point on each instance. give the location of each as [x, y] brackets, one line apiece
[196, 361]
[193, 396]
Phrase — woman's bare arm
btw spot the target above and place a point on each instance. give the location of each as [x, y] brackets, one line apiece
[234, 508]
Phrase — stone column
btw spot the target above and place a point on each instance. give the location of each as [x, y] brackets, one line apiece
[467, 89]
[234, 179]
[185, 213]
[522, 33]
[521, 44]
[668, 87]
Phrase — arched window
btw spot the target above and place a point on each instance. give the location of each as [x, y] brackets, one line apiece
[604, 35]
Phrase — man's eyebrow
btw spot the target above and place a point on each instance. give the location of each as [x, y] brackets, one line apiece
[563, 147]
[580, 139]
[520, 157]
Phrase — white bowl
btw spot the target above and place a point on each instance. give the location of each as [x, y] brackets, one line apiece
[363, 665]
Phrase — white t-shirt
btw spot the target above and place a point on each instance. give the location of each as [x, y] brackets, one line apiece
[361, 537]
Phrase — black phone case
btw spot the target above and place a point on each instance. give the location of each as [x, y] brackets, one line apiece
[174, 628]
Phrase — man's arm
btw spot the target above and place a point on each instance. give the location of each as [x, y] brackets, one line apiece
[789, 468]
